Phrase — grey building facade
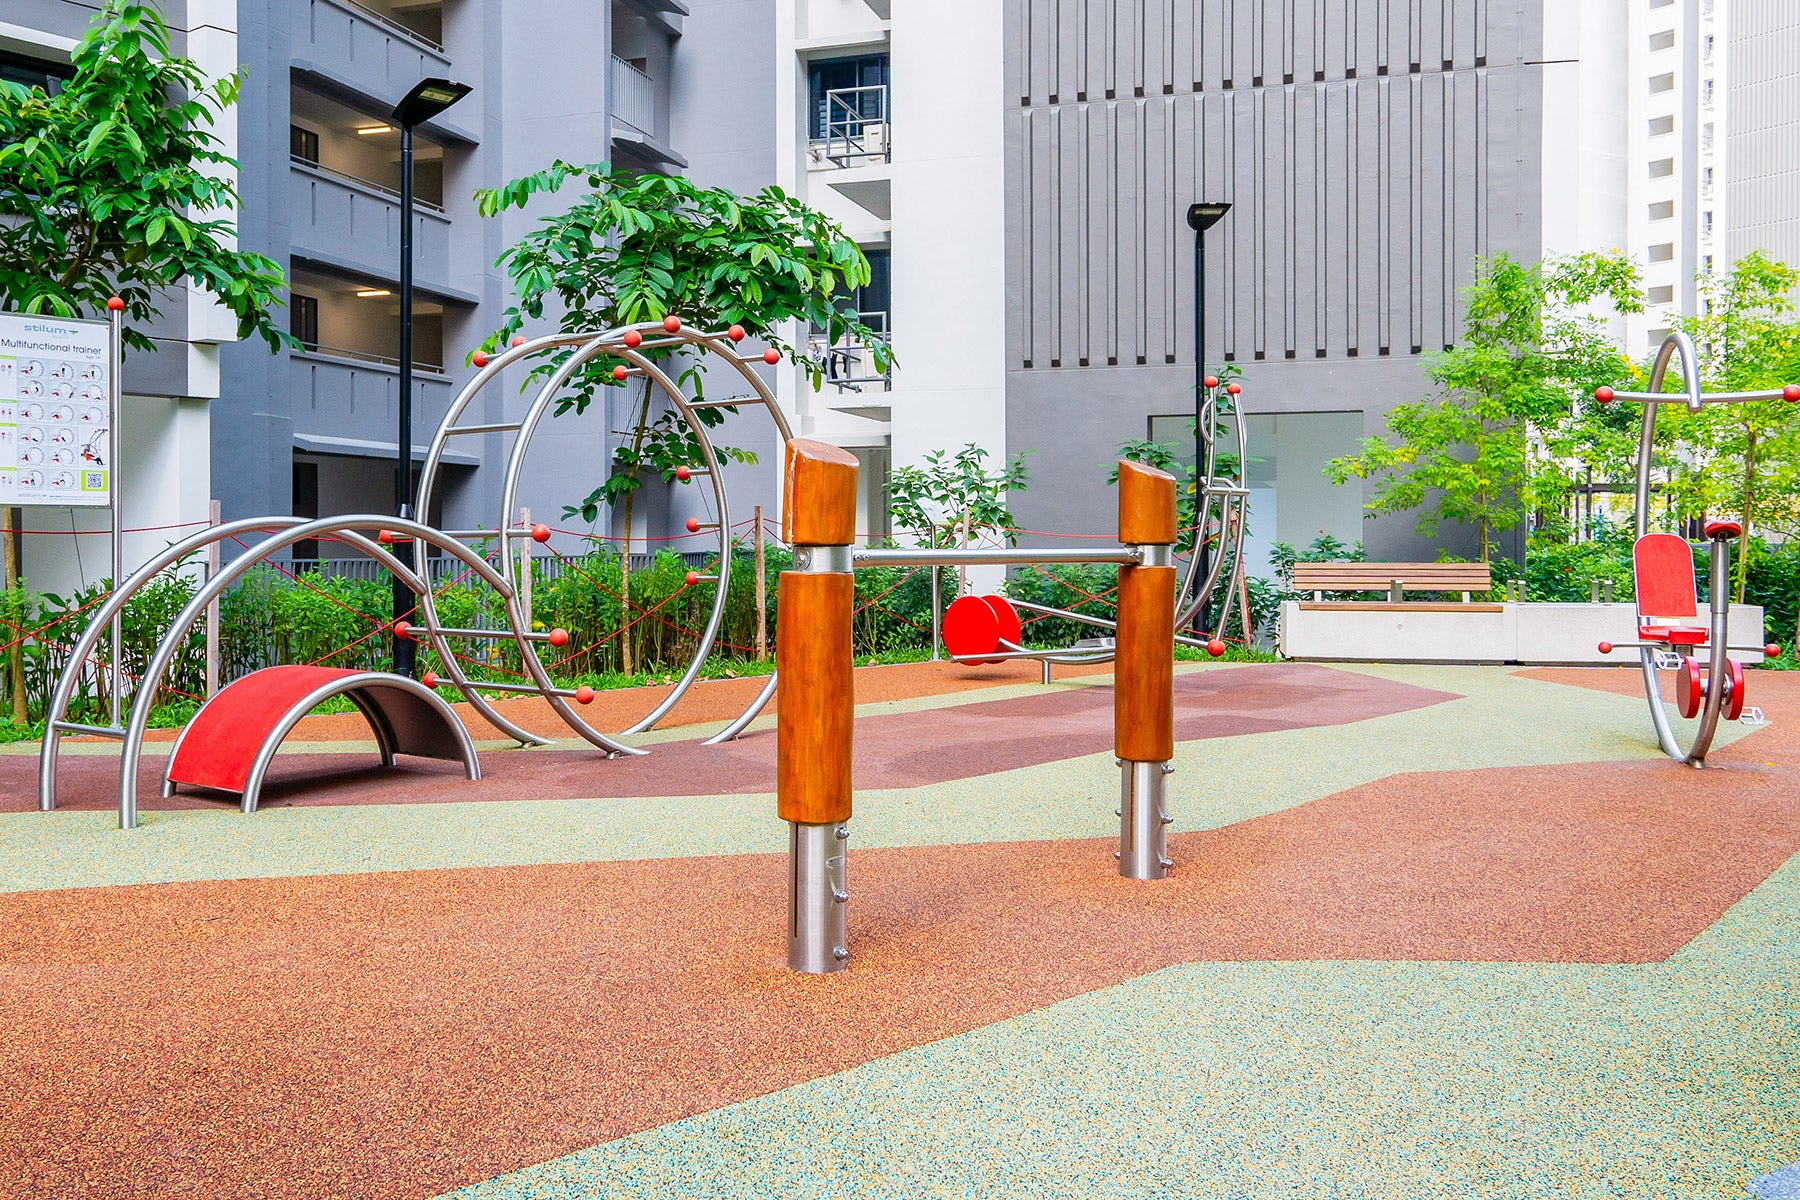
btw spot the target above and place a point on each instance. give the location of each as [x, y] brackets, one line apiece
[1762, 129]
[1371, 150]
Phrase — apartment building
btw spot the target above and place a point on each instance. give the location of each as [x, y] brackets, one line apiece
[169, 394]
[1761, 85]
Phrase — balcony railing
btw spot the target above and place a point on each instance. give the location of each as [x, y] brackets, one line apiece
[362, 48]
[359, 181]
[365, 356]
[382, 19]
[849, 364]
[856, 126]
[351, 223]
[631, 97]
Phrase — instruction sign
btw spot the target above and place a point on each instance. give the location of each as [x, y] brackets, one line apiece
[55, 411]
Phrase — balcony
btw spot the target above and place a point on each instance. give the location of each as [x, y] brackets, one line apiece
[356, 48]
[344, 401]
[631, 103]
[849, 365]
[856, 146]
[353, 225]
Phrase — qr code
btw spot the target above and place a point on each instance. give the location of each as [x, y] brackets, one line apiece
[93, 481]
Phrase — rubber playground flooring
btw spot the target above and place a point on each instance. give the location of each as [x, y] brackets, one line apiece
[1431, 931]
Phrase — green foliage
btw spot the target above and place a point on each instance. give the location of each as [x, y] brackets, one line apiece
[634, 248]
[971, 496]
[1534, 342]
[113, 186]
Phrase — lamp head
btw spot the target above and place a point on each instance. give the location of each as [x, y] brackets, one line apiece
[428, 98]
[1201, 217]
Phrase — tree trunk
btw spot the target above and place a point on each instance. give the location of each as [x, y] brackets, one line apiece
[1743, 550]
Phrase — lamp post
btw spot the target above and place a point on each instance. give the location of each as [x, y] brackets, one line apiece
[1200, 218]
[427, 99]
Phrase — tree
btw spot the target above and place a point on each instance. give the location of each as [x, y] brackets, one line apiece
[1489, 450]
[635, 248]
[1742, 458]
[968, 497]
[105, 190]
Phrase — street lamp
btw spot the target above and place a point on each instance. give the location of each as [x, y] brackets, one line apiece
[428, 98]
[1200, 218]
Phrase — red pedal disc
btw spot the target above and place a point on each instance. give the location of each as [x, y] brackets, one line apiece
[970, 627]
[1011, 629]
[1734, 700]
[1689, 691]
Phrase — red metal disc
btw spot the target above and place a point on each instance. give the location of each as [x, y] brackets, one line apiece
[970, 627]
[1011, 629]
[1734, 700]
[1690, 692]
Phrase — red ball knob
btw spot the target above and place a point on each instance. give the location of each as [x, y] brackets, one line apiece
[1234, 388]
[771, 356]
[403, 629]
[1771, 650]
[385, 537]
[633, 338]
[114, 304]
[1212, 381]
[1215, 647]
[1606, 647]
[735, 333]
[683, 474]
[1791, 392]
[584, 695]
[518, 339]
[479, 359]
[429, 679]
[540, 533]
[671, 324]
[693, 577]
[1603, 394]
[693, 524]
[559, 638]
[619, 373]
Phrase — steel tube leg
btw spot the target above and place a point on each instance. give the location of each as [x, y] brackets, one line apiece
[1144, 820]
[818, 928]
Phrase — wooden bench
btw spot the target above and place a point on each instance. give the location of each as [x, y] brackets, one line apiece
[1395, 579]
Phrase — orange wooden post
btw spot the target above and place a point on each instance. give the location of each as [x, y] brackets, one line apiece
[813, 697]
[1144, 671]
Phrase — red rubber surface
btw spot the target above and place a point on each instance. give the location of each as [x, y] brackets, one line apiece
[970, 627]
[224, 736]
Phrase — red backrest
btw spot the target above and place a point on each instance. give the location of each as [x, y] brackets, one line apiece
[1664, 567]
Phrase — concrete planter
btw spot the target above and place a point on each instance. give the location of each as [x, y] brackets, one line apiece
[1541, 634]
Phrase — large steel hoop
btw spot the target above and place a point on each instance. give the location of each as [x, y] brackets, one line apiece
[343, 527]
[1679, 347]
[89, 638]
[1231, 526]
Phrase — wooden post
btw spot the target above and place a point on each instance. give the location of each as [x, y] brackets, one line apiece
[214, 512]
[1144, 672]
[16, 654]
[762, 593]
[815, 705]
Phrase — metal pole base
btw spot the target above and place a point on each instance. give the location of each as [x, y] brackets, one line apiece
[1143, 820]
[817, 924]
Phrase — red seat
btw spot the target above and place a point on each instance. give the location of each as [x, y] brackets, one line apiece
[1725, 530]
[1674, 635]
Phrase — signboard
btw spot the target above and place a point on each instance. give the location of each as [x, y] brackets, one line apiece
[55, 411]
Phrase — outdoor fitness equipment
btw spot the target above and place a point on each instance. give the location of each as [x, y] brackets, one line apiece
[978, 630]
[1668, 607]
[816, 713]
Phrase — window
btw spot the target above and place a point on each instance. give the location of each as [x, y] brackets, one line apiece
[1662, 210]
[1706, 265]
[1656, 337]
[1663, 40]
[1706, 91]
[1706, 223]
[303, 144]
[1706, 48]
[1662, 252]
[35, 73]
[1661, 125]
[1706, 136]
[303, 320]
[837, 74]
[1706, 177]
[306, 504]
[1662, 295]
[1662, 168]
[1662, 83]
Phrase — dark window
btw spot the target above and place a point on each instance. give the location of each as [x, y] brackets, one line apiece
[874, 299]
[832, 74]
[306, 504]
[35, 73]
[303, 321]
[303, 144]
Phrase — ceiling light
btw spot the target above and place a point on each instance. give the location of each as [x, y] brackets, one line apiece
[372, 293]
[366, 130]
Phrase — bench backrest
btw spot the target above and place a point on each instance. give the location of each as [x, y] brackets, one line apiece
[1379, 576]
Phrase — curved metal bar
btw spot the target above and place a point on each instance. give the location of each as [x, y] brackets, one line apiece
[97, 625]
[343, 527]
[265, 754]
[749, 714]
